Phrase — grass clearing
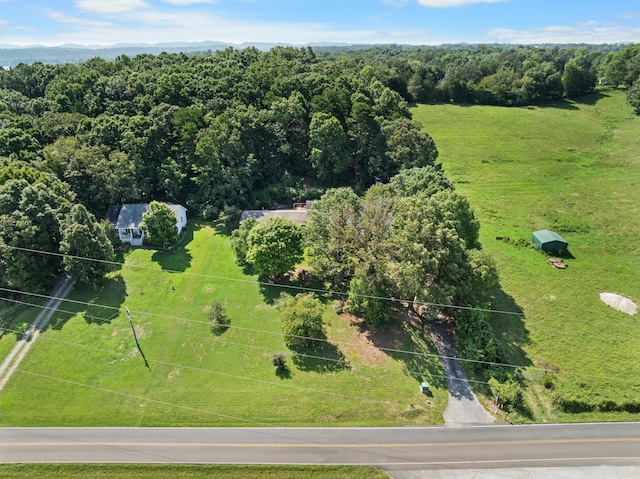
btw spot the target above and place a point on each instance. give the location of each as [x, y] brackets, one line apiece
[85, 369]
[571, 167]
[157, 471]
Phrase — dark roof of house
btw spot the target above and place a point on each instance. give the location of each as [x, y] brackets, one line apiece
[112, 213]
[131, 215]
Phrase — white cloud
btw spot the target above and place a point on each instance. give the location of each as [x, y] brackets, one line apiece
[63, 18]
[23, 28]
[188, 2]
[453, 3]
[157, 26]
[396, 3]
[110, 6]
[588, 32]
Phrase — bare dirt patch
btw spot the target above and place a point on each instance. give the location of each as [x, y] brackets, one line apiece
[370, 345]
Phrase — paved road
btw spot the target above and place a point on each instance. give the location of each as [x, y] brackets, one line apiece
[463, 406]
[395, 449]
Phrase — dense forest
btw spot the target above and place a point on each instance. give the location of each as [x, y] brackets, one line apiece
[249, 128]
[235, 129]
[498, 74]
[219, 132]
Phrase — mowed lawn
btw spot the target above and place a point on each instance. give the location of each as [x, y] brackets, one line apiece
[191, 471]
[572, 167]
[86, 370]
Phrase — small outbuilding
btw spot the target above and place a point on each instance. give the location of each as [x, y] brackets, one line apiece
[549, 241]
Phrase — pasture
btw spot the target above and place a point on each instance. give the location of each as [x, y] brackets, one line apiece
[571, 167]
[85, 370]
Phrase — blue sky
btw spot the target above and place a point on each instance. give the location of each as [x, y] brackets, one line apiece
[428, 22]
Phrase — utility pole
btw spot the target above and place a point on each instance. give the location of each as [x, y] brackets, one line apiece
[136, 338]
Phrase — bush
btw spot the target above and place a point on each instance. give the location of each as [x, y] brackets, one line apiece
[475, 338]
[218, 319]
[508, 393]
[547, 381]
[279, 360]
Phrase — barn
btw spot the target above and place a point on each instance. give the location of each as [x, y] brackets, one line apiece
[549, 241]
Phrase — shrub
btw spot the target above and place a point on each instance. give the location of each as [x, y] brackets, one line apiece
[508, 393]
[279, 360]
[218, 319]
[547, 381]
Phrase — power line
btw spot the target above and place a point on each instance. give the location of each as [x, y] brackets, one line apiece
[387, 350]
[391, 350]
[226, 341]
[273, 285]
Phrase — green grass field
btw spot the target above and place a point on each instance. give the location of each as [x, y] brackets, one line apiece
[572, 167]
[85, 369]
[141, 471]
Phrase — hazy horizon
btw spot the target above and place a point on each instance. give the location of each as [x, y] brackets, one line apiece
[107, 23]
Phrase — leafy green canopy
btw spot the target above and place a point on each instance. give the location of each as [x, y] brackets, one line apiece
[84, 237]
[274, 247]
[159, 223]
[412, 238]
[38, 215]
[301, 321]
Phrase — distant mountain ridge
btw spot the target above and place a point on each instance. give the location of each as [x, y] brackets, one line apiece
[12, 55]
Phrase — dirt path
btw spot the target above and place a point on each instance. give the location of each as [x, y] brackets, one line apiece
[463, 407]
[19, 351]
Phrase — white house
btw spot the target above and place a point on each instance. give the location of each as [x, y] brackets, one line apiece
[126, 220]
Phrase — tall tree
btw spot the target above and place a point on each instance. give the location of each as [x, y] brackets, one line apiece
[84, 237]
[330, 155]
[240, 240]
[159, 223]
[331, 234]
[274, 247]
[301, 321]
[30, 218]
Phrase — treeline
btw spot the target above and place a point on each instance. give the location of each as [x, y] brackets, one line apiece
[496, 74]
[237, 128]
[413, 238]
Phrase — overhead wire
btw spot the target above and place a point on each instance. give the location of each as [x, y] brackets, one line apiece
[313, 432]
[272, 285]
[298, 288]
[339, 343]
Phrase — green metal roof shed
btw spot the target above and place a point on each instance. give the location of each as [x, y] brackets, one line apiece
[549, 241]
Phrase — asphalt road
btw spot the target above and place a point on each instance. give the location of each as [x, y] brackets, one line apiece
[402, 448]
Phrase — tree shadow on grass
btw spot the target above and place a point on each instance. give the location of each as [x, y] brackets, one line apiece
[509, 328]
[283, 372]
[405, 341]
[591, 99]
[300, 281]
[325, 357]
[96, 307]
[561, 104]
[177, 258]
